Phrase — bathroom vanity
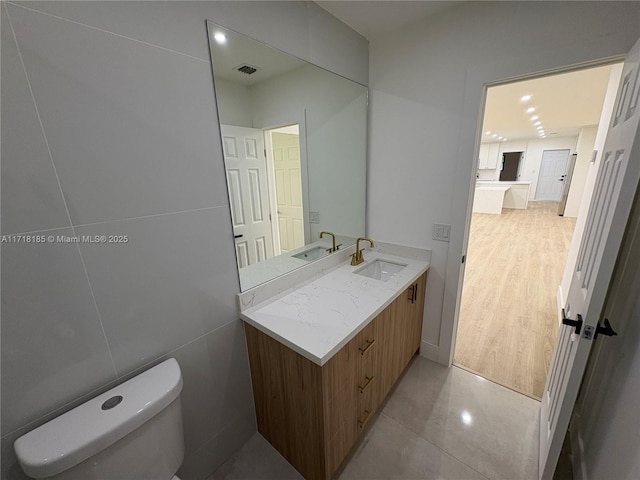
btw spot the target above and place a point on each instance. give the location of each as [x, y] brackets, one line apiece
[325, 355]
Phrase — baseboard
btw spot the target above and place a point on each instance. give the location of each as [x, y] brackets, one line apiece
[430, 351]
[577, 455]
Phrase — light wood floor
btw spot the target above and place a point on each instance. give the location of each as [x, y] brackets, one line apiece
[508, 321]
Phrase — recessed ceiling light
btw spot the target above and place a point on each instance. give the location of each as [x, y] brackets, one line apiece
[494, 135]
[525, 98]
[531, 110]
[540, 127]
[503, 139]
[534, 118]
[220, 37]
[538, 123]
[488, 132]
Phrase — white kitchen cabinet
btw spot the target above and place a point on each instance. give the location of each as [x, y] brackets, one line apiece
[489, 156]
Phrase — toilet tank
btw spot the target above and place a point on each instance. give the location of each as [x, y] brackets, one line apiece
[131, 432]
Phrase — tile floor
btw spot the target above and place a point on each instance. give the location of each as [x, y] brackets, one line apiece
[438, 423]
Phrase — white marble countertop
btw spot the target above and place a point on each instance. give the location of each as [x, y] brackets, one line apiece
[317, 319]
[260, 272]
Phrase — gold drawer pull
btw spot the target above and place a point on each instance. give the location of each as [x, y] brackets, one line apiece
[366, 383]
[369, 345]
[366, 417]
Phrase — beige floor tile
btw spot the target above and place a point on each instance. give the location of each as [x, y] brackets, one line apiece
[490, 428]
[391, 451]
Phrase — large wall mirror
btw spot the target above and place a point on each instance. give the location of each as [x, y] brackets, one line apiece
[294, 140]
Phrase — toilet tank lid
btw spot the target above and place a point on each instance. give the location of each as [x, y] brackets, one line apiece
[89, 428]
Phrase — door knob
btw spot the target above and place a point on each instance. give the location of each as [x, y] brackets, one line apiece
[606, 330]
[572, 323]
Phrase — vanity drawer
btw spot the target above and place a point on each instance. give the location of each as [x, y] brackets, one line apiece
[365, 409]
[367, 344]
[344, 365]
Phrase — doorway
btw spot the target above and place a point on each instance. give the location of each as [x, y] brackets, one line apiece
[283, 159]
[507, 324]
[510, 166]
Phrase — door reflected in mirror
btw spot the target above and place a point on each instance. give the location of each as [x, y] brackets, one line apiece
[294, 144]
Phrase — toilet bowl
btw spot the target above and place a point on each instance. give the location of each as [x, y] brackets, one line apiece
[131, 432]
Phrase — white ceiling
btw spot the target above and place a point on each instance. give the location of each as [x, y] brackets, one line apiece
[371, 18]
[564, 104]
[240, 49]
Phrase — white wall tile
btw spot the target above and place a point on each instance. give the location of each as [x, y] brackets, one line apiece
[31, 196]
[204, 461]
[53, 346]
[173, 281]
[132, 128]
[209, 385]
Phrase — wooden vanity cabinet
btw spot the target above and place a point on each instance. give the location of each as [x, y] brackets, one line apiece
[314, 415]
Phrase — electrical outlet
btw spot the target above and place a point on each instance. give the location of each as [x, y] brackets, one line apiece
[314, 217]
[441, 232]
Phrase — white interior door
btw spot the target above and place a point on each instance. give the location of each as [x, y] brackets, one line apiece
[553, 169]
[246, 169]
[288, 178]
[616, 184]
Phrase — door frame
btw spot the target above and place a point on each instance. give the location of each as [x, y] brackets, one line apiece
[272, 123]
[478, 80]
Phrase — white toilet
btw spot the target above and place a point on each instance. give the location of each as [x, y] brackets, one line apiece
[131, 432]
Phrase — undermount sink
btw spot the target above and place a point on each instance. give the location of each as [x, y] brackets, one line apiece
[380, 270]
[312, 254]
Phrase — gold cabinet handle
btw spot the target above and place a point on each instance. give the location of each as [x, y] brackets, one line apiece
[366, 417]
[366, 383]
[369, 345]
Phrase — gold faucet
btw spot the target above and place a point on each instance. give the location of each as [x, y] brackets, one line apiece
[334, 247]
[357, 258]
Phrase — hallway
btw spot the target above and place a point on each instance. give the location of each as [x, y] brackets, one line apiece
[508, 314]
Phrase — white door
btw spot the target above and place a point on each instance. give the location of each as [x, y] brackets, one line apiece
[288, 178]
[246, 169]
[553, 170]
[616, 184]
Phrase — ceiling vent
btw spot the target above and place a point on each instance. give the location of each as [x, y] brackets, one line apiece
[246, 69]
